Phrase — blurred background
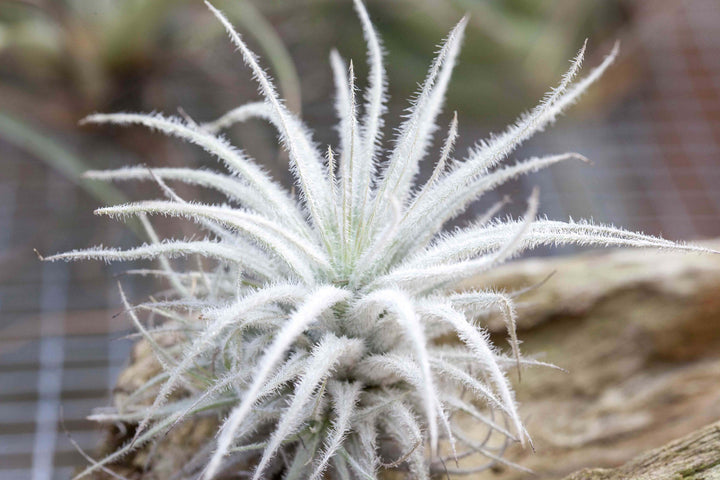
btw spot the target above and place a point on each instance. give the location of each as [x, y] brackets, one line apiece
[651, 126]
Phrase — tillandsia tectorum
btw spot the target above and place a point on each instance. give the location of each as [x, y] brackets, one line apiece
[315, 336]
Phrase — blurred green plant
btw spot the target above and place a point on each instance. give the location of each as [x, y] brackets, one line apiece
[92, 40]
[61, 159]
[89, 41]
[78, 49]
[513, 50]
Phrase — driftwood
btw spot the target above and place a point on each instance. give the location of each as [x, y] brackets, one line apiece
[638, 333]
[693, 457]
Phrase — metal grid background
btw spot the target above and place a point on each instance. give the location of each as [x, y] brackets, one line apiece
[657, 168]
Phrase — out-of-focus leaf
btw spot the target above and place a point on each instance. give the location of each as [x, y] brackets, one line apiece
[61, 159]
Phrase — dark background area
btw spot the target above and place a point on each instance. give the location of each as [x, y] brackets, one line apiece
[652, 128]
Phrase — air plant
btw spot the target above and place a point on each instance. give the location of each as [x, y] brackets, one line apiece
[330, 336]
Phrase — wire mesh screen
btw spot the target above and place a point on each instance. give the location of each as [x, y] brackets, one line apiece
[59, 356]
[657, 167]
[656, 151]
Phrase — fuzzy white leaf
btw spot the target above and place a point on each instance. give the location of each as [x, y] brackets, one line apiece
[479, 344]
[306, 161]
[237, 115]
[277, 240]
[319, 301]
[257, 179]
[325, 357]
[345, 396]
[414, 134]
[402, 308]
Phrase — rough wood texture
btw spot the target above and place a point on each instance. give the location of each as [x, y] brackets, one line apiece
[694, 457]
[171, 454]
[638, 332]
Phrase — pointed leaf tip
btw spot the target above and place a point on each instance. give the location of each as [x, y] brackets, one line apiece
[582, 158]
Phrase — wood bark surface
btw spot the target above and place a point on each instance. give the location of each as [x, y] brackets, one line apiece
[693, 457]
[639, 335]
